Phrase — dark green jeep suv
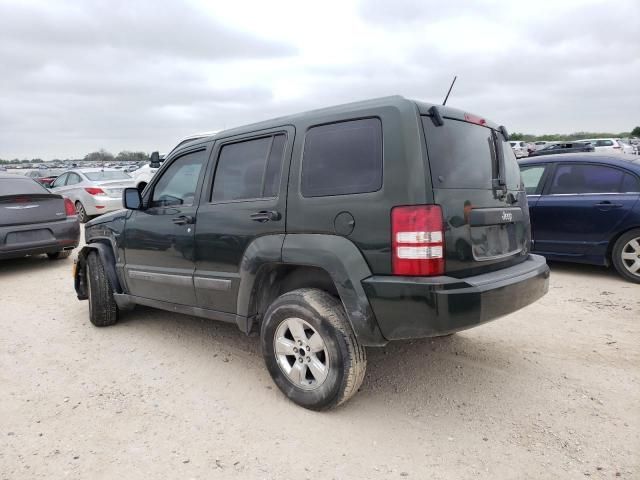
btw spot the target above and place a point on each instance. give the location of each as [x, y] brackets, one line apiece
[327, 232]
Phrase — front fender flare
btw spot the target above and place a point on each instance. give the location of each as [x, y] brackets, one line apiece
[105, 252]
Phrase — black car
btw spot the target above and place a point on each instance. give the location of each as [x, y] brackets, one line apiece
[567, 147]
[35, 221]
[328, 232]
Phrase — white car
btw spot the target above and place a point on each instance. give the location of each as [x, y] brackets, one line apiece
[610, 145]
[143, 175]
[626, 147]
[93, 191]
[520, 149]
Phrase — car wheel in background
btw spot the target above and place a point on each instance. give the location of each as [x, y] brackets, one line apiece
[59, 255]
[310, 349]
[82, 213]
[626, 255]
[103, 310]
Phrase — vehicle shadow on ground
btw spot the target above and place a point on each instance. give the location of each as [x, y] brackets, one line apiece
[585, 270]
[423, 371]
[31, 264]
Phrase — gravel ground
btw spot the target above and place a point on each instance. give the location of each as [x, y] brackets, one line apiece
[552, 391]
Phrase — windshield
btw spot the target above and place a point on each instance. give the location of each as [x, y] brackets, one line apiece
[107, 175]
[17, 186]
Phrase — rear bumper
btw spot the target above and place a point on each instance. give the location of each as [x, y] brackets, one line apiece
[51, 237]
[97, 205]
[415, 307]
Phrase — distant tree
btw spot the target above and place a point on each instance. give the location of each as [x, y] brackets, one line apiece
[100, 156]
[635, 132]
[126, 156]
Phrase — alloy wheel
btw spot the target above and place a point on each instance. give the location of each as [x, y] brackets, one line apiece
[301, 353]
[631, 256]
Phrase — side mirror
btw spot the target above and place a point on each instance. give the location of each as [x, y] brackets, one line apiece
[131, 199]
[155, 159]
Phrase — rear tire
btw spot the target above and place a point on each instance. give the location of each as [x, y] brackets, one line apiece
[310, 349]
[81, 213]
[103, 310]
[59, 255]
[626, 255]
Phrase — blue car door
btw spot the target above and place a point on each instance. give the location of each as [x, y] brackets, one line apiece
[581, 206]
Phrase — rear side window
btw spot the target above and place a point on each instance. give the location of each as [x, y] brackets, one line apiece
[249, 169]
[18, 186]
[582, 178]
[73, 178]
[463, 155]
[342, 158]
[604, 143]
[531, 177]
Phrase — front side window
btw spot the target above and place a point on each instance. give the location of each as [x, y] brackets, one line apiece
[249, 169]
[583, 178]
[531, 177]
[178, 184]
[342, 158]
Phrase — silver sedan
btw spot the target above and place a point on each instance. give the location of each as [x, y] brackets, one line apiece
[93, 191]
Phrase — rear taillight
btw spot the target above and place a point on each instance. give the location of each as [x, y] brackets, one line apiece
[94, 191]
[418, 240]
[69, 209]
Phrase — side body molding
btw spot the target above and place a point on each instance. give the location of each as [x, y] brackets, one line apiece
[347, 268]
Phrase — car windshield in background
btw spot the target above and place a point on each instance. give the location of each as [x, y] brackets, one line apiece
[20, 186]
[107, 175]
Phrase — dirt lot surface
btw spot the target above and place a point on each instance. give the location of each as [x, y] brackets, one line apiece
[552, 391]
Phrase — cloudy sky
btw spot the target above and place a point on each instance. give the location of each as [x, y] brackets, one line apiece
[140, 74]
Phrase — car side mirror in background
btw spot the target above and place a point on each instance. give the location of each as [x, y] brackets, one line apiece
[131, 198]
[155, 159]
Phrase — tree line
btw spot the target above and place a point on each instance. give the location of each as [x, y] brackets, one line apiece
[554, 137]
[100, 156]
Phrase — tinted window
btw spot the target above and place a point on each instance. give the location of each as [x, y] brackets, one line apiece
[17, 186]
[107, 175]
[342, 158]
[531, 178]
[178, 184]
[591, 179]
[249, 169]
[463, 155]
[604, 143]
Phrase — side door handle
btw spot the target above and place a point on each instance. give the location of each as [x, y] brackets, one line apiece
[183, 220]
[607, 205]
[265, 216]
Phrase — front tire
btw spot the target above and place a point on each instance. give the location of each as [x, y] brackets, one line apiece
[310, 349]
[103, 310]
[626, 255]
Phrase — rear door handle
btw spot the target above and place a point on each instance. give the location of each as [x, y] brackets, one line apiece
[607, 205]
[265, 216]
[183, 220]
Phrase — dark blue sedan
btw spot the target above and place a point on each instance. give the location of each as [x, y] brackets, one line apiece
[585, 207]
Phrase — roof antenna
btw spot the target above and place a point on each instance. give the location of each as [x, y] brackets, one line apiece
[447, 97]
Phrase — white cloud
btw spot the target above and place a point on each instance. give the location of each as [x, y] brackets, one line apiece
[78, 76]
